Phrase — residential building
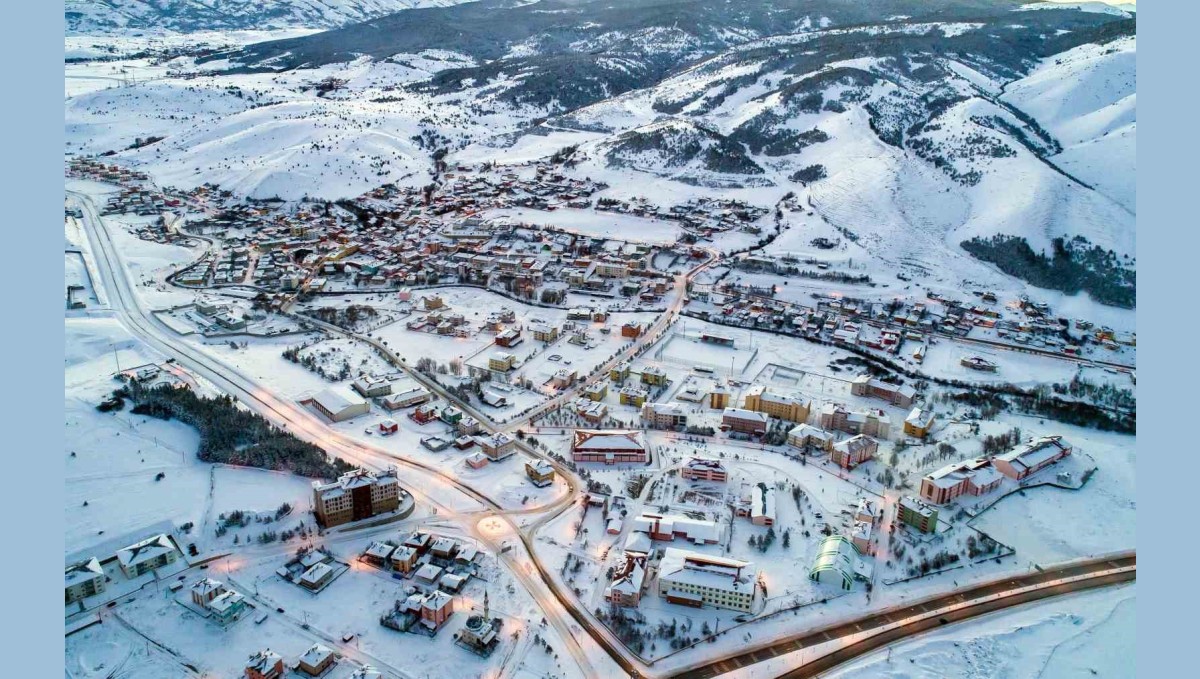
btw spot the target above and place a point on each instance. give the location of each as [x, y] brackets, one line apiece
[610, 446]
[718, 398]
[84, 579]
[316, 660]
[918, 423]
[539, 472]
[596, 391]
[628, 582]
[664, 415]
[148, 555]
[265, 664]
[853, 451]
[497, 446]
[1028, 459]
[868, 422]
[338, 404]
[700, 469]
[900, 395]
[918, 514]
[633, 395]
[694, 579]
[804, 436]
[654, 375]
[356, 495]
[744, 421]
[543, 332]
[790, 407]
[501, 361]
[379, 553]
[860, 536]
[317, 576]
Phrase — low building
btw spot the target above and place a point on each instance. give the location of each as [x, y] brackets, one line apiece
[372, 387]
[338, 404]
[379, 553]
[227, 607]
[316, 660]
[853, 451]
[970, 477]
[404, 559]
[744, 421]
[317, 576]
[1028, 459]
[265, 664]
[612, 446]
[918, 514]
[409, 397]
[668, 527]
[700, 469]
[790, 407]
[477, 460]
[762, 505]
[84, 579]
[860, 536]
[694, 579]
[539, 472]
[664, 415]
[389, 427]
[356, 495]
[900, 395]
[628, 582]
[918, 423]
[205, 590]
[836, 562]
[148, 555]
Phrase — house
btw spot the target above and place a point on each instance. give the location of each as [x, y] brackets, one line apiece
[425, 413]
[227, 606]
[694, 579]
[836, 562]
[428, 574]
[611, 446]
[1028, 459]
[918, 514]
[744, 421]
[404, 559]
[338, 404]
[970, 477]
[265, 664]
[805, 435]
[700, 469]
[378, 553]
[477, 460]
[632, 329]
[84, 579]
[853, 451]
[371, 387]
[918, 423]
[388, 427]
[205, 590]
[316, 660]
[790, 407]
[356, 495]
[497, 446]
[664, 415]
[900, 395]
[539, 472]
[148, 555]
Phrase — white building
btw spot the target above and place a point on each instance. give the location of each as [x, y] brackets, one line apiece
[694, 579]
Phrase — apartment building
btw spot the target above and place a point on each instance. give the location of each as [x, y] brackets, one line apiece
[84, 579]
[148, 555]
[356, 495]
[664, 415]
[901, 395]
[744, 421]
[853, 451]
[790, 407]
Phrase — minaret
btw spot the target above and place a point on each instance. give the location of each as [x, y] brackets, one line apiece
[487, 617]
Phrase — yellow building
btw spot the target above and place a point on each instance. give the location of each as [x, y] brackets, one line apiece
[501, 361]
[619, 373]
[790, 407]
[597, 391]
[718, 399]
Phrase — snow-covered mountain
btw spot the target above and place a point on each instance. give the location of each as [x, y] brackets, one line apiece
[101, 17]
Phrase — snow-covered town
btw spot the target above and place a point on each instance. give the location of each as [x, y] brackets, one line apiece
[750, 363]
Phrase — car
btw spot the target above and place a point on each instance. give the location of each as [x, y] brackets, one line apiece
[943, 621]
[111, 604]
[279, 609]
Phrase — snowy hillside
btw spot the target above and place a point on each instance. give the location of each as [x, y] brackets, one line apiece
[88, 17]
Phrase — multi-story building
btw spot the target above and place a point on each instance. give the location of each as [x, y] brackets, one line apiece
[316, 660]
[664, 415]
[718, 398]
[853, 451]
[918, 423]
[501, 361]
[596, 391]
[790, 407]
[867, 422]
[970, 477]
[628, 582]
[356, 495]
[497, 446]
[694, 579]
[918, 514]
[370, 387]
[900, 395]
[805, 435]
[744, 421]
[539, 472]
[700, 469]
[1029, 458]
[84, 579]
[611, 446]
[265, 664]
[148, 555]
[633, 395]
[654, 375]
[543, 332]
